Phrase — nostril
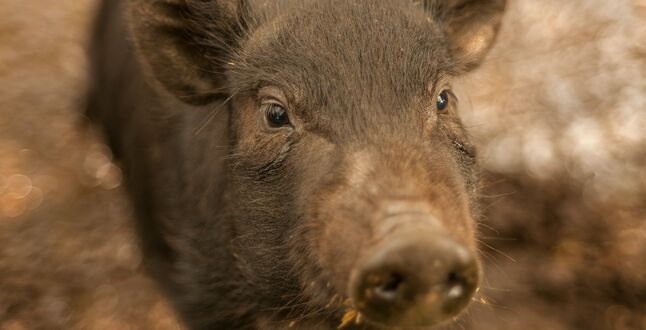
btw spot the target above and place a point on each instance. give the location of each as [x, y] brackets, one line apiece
[455, 284]
[387, 290]
[452, 278]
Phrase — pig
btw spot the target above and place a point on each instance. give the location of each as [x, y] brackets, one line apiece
[297, 164]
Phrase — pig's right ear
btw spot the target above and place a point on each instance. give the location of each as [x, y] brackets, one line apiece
[185, 44]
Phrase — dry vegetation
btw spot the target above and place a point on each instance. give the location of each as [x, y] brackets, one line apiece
[558, 113]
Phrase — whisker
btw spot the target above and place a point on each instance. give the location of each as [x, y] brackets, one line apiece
[496, 250]
[212, 115]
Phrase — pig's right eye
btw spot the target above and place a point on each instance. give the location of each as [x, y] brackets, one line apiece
[276, 115]
[442, 102]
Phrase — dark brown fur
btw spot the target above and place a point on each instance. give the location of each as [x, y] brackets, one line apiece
[249, 227]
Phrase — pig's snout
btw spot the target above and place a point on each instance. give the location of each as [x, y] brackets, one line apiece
[414, 277]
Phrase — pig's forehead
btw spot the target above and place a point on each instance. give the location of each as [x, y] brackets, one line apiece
[375, 48]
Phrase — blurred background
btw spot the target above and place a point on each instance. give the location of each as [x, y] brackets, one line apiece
[558, 112]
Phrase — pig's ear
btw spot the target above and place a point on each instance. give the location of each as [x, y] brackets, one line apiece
[185, 44]
[471, 27]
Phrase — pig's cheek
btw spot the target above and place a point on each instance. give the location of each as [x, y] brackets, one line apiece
[260, 147]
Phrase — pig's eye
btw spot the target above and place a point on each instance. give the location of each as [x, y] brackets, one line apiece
[442, 104]
[276, 115]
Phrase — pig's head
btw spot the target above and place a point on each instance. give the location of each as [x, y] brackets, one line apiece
[350, 182]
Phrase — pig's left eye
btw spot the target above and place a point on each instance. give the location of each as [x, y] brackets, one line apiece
[442, 104]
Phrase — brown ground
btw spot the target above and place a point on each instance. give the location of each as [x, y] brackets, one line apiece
[558, 113]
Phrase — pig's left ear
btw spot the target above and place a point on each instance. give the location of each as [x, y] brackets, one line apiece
[471, 27]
